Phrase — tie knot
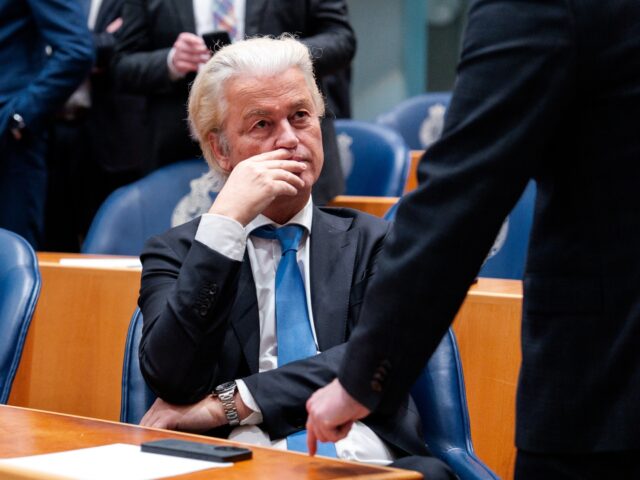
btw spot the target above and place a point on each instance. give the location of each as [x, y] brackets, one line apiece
[289, 236]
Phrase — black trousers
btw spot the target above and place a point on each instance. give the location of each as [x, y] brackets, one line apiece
[587, 466]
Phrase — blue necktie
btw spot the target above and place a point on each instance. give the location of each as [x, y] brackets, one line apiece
[293, 327]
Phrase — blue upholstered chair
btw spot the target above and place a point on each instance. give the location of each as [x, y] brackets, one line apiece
[19, 290]
[136, 397]
[375, 159]
[508, 254]
[509, 251]
[418, 119]
[439, 393]
[137, 211]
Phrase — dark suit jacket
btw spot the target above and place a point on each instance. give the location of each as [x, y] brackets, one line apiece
[116, 123]
[201, 324]
[152, 26]
[547, 90]
[31, 83]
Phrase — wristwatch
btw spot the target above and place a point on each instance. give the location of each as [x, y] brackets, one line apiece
[225, 392]
[17, 126]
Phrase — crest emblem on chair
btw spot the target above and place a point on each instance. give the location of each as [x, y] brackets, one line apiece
[432, 125]
[346, 155]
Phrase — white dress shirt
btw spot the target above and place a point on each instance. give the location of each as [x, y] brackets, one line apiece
[228, 237]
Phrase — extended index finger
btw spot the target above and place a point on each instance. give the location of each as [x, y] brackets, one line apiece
[312, 441]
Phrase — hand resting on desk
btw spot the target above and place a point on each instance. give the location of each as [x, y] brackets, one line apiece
[204, 415]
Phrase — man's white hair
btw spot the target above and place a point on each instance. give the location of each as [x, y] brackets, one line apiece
[255, 57]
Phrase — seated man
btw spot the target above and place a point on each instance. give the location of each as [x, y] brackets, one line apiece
[224, 310]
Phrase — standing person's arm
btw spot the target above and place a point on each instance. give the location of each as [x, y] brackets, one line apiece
[514, 85]
[62, 25]
[331, 39]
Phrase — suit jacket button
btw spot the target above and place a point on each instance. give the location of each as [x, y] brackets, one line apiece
[376, 386]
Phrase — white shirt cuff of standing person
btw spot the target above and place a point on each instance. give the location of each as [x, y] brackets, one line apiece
[174, 75]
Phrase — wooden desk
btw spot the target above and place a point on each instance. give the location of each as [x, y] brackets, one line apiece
[30, 432]
[377, 206]
[488, 332]
[72, 361]
[412, 178]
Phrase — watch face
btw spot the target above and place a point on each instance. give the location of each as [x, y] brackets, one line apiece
[225, 386]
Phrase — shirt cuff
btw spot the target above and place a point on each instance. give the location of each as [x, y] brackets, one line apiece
[254, 418]
[174, 74]
[222, 234]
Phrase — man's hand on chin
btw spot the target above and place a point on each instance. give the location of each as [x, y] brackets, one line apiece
[332, 412]
[255, 182]
[208, 413]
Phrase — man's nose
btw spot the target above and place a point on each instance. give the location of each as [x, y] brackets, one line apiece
[286, 135]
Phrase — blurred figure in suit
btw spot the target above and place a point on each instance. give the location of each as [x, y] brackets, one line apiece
[96, 142]
[45, 51]
[160, 50]
[548, 91]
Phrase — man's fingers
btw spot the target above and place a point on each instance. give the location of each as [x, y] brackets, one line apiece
[191, 39]
[312, 444]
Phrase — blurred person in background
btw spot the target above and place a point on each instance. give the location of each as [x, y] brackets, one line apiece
[96, 140]
[161, 48]
[45, 52]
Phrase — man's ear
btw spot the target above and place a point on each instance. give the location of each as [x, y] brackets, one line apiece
[220, 148]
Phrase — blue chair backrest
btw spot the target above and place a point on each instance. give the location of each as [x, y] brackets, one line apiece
[509, 252]
[439, 393]
[508, 255]
[418, 119]
[136, 397]
[19, 290]
[375, 159]
[141, 209]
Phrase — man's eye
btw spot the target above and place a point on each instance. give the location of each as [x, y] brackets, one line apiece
[260, 124]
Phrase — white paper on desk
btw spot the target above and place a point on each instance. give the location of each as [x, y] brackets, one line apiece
[117, 461]
[132, 262]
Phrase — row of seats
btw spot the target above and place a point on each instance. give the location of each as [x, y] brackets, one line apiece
[376, 161]
[439, 391]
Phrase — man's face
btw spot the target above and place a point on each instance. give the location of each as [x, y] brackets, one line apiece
[271, 113]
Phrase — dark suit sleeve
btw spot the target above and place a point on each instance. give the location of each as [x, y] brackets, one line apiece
[63, 27]
[139, 65]
[331, 38]
[514, 85]
[185, 301]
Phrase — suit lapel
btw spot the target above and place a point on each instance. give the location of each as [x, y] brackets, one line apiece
[184, 12]
[245, 317]
[332, 258]
[253, 15]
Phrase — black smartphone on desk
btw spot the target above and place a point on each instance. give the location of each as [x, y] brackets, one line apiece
[216, 40]
[196, 450]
